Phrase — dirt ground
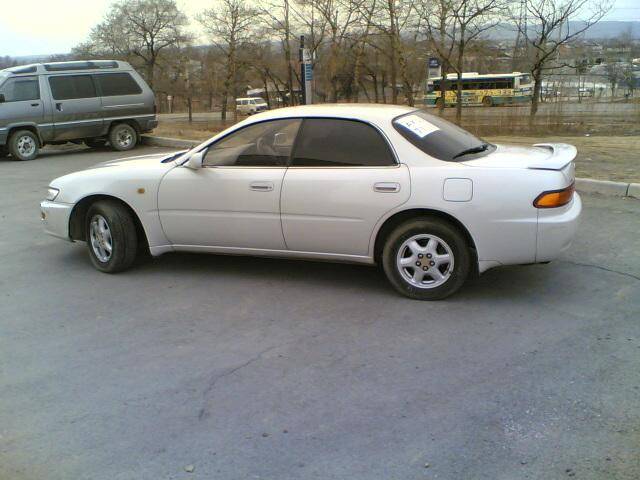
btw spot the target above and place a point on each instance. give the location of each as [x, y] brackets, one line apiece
[604, 158]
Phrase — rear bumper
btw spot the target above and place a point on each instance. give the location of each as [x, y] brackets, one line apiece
[149, 125]
[55, 218]
[556, 229]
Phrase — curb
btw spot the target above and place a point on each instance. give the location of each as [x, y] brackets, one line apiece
[584, 185]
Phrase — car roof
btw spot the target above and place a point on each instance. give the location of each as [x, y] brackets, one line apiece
[373, 112]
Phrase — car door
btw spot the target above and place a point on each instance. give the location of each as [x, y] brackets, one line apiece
[76, 106]
[22, 104]
[343, 178]
[234, 200]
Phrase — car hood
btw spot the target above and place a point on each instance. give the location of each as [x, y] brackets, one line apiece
[541, 156]
[140, 161]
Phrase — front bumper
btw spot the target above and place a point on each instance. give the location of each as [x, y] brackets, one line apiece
[556, 229]
[55, 218]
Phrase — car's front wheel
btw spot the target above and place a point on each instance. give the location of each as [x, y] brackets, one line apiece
[111, 236]
[24, 145]
[426, 259]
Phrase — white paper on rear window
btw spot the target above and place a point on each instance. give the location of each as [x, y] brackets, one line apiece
[417, 125]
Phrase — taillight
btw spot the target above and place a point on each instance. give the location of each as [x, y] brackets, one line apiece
[555, 198]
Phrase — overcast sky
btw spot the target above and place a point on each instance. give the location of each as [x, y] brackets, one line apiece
[42, 27]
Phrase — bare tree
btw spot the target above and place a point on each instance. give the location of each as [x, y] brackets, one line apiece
[455, 26]
[545, 27]
[140, 29]
[277, 16]
[230, 25]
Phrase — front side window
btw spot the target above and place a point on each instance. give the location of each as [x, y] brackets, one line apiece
[265, 144]
[113, 84]
[20, 89]
[439, 138]
[69, 87]
[328, 142]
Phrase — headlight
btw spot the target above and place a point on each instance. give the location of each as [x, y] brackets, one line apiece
[52, 193]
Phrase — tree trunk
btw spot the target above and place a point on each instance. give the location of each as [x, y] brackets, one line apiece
[537, 85]
[459, 99]
[150, 67]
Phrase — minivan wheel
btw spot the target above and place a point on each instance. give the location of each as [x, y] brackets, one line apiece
[123, 137]
[24, 145]
[111, 236]
[426, 259]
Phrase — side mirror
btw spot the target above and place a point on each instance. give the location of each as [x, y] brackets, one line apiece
[195, 160]
[2, 99]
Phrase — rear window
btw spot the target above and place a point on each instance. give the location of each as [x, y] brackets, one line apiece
[439, 138]
[113, 84]
[69, 87]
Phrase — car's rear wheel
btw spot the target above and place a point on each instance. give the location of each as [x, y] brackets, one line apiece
[111, 236]
[487, 102]
[123, 137]
[24, 145]
[426, 259]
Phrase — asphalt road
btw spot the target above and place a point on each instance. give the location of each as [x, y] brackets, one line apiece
[252, 368]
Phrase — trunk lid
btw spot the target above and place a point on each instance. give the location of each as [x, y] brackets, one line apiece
[541, 156]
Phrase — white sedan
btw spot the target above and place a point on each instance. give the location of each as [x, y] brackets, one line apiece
[387, 185]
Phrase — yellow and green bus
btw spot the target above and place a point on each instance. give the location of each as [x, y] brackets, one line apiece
[488, 90]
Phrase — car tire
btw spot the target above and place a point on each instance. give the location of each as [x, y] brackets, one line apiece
[111, 236]
[487, 102]
[95, 143]
[418, 248]
[24, 145]
[123, 137]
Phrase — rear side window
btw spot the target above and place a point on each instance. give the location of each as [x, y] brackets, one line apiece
[113, 84]
[69, 87]
[328, 142]
[20, 89]
[439, 138]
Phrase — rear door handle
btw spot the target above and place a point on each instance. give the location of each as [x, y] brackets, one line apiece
[59, 106]
[261, 186]
[35, 104]
[386, 187]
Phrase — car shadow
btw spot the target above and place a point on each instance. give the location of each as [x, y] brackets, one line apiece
[512, 283]
[54, 151]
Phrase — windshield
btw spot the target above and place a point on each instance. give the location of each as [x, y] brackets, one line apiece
[3, 77]
[439, 138]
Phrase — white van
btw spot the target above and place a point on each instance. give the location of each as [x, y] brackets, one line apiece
[251, 105]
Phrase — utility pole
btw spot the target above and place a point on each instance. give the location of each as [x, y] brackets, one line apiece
[306, 74]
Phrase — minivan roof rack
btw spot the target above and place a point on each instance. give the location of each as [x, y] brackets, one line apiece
[85, 65]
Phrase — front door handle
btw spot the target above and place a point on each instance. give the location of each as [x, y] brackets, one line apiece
[386, 187]
[59, 106]
[261, 186]
[35, 104]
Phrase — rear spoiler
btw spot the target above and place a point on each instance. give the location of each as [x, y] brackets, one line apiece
[562, 154]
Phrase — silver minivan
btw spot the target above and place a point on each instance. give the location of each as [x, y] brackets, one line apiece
[95, 102]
